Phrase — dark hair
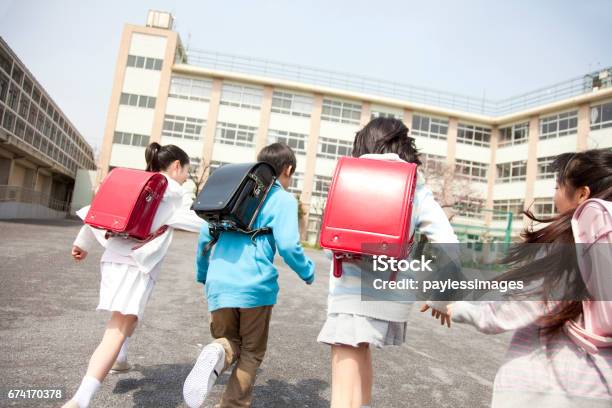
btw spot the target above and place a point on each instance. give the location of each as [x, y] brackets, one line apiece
[558, 269]
[279, 155]
[159, 157]
[386, 135]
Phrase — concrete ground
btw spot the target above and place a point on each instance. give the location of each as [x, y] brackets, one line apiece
[49, 328]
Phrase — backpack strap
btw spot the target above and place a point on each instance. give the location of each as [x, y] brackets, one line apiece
[215, 231]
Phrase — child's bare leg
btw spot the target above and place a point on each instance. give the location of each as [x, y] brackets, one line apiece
[118, 328]
[346, 381]
[365, 370]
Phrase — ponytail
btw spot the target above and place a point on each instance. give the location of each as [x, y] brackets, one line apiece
[160, 157]
[152, 157]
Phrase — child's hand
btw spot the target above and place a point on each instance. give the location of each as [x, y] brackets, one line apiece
[444, 317]
[78, 254]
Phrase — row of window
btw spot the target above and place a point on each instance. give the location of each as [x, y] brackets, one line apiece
[501, 208]
[142, 101]
[234, 134]
[297, 141]
[473, 171]
[190, 88]
[22, 95]
[136, 61]
[183, 127]
[334, 148]
[71, 159]
[350, 112]
[511, 172]
[513, 135]
[131, 139]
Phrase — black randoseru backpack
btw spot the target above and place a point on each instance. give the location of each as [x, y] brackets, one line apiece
[232, 197]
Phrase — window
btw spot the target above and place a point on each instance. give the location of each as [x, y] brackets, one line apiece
[8, 121]
[380, 114]
[4, 86]
[215, 164]
[13, 97]
[24, 107]
[183, 127]
[334, 148]
[559, 125]
[341, 111]
[501, 208]
[471, 170]
[5, 61]
[17, 74]
[473, 135]
[132, 139]
[297, 183]
[432, 128]
[513, 135]
[545, 170]
[601, 116]
[297, 141]
[291, 104]
[432, 162]
[141, 101]
[543, 207]
[144, 62]
[470, 207]
[237, 135]
[321, 185]
[189, 88]
[512, 171]
[241, 96]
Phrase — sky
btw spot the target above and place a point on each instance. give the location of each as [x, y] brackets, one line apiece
[473, 47]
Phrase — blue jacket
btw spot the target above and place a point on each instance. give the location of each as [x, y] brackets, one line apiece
[240, 273]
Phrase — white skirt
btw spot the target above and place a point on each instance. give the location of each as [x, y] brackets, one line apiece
[124, 289]
[352, 330]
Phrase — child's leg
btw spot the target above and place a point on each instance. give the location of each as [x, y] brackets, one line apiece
[366, 376]
[215, 357]
[118, 328]
[346, 376]
[254, 327]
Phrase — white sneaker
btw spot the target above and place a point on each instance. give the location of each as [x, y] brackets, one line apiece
[120, 367]
[203, 375]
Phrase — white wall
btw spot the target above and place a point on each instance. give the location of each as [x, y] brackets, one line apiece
[141, 81]
[184, 107]
[600, 139]
[232, 154]
[508, 154]
[242, 116]
[290, 123]
[128, 156]
[83, 192]
[335, 130]
[473, 153]
[502, 191]
[557, 145]
[147, 45]
[192, 147]
[133, 119]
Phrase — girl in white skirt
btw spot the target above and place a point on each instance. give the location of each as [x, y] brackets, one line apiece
[129, 275]
[353, 325]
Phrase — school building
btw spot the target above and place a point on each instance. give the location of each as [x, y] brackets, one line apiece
[493, 156]
[40, 149]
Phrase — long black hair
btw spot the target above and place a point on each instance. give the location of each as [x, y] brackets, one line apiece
[160, 157]
[386, 135]
[559, 267]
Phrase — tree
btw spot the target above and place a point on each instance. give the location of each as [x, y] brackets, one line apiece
[198, 175]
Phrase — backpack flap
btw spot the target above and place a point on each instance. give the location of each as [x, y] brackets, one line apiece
[234, 193]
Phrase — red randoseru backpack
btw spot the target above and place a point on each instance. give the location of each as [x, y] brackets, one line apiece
[126, 203]
[369, 209]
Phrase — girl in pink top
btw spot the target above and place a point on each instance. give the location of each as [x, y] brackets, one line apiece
[560, 354]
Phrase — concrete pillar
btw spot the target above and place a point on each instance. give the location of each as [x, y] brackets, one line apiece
[491, 174]
[451, 142]
[211, 123]
[366, 108]
[532, 161]
[264, 120]
[584, 126]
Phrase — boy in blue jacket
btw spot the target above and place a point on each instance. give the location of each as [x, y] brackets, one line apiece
[241, 287]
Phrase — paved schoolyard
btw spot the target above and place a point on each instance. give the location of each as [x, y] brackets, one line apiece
[49, 328]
